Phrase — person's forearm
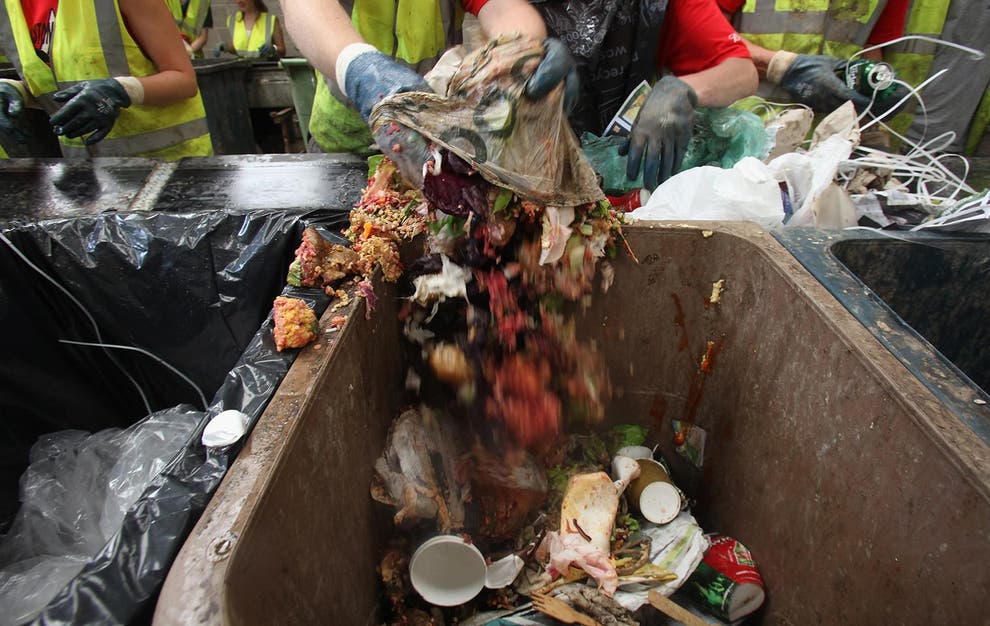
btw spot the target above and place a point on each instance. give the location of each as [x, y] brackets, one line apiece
[503, 17]
[200, 41]
[168, 87]
[725, 83]
[321, 29]
[761, 57]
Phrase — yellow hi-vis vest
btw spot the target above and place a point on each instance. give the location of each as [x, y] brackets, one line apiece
[414, 32]
[261, 33]
[191, 22]
[90, 41]
[831, 27]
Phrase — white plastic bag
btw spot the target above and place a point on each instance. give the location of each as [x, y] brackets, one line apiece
[748, 191]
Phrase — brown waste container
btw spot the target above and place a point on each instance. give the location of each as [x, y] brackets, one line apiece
[863, 499]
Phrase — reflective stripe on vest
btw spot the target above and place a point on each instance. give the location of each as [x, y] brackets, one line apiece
[90, 42]
[848, 22]
[39, 78]
[189, 22]
[244, 45]
[152, 141]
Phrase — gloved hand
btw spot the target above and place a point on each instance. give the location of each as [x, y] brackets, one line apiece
[406, 148]
[662, 131]
[91, 107]
[219, 50]
[11, 107]
[267, 51]
[814, 80]
[557, 65]
[369, 76]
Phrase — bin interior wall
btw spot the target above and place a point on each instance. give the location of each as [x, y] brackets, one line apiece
[938, 287]
[849, 506]
[820, 457]
[309, 555]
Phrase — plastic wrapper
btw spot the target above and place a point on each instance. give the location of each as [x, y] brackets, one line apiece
[484, 118]
[195, 289]
[721, 138]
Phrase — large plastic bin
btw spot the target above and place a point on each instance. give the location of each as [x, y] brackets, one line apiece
[195, 289]
[222, 84]
[863, 498]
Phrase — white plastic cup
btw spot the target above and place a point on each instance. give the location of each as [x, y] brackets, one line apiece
[447, 571]
[635, 452]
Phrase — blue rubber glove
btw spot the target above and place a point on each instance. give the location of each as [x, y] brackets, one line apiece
[372, 76]
[661, 133]
[11, 107]
[815, 80]
[557, 65]
[267, 51]
[91, 107]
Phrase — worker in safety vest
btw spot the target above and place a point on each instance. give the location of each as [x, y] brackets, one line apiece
[959, 100]
[365, 51]
[804, 51]
[255, 33]
[194, 20]
[112, 75]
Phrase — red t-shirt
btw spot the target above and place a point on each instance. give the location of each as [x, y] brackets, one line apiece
[473, 6]
[40, 16]
[890, 24]
[695, 36]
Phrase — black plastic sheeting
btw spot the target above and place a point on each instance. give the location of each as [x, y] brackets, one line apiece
[196, 290]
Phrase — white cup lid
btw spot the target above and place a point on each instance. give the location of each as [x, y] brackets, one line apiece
[447, 571]
[660, 502]
[226, 428]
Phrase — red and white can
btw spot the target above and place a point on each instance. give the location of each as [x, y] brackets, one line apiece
[727, 583]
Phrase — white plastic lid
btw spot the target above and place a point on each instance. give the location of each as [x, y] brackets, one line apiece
[660, 502]
[225, 429]
[447, 571]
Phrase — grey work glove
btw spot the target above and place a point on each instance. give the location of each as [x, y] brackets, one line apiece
[661, 133]
[11, 107]
[818, 81]
[405, 147]
[557, 65]
[267, 51]
[91, 108]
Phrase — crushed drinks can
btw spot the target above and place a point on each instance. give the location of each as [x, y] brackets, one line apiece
[726, 582]
[629, 201]
[866, 76]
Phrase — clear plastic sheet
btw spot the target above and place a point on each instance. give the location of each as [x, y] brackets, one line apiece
[74, 495]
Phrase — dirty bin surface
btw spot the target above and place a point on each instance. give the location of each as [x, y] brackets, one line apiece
[862, 498]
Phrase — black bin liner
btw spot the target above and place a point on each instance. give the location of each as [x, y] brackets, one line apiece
[196, 290]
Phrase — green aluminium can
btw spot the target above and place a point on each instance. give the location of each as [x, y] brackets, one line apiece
[866, 76]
